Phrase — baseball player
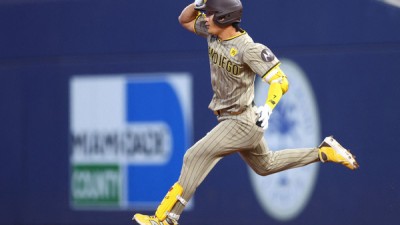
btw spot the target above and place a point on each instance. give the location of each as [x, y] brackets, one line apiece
[235, 61]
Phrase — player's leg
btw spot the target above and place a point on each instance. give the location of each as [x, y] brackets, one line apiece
[196, 166]
[227, 137]
[265, 162]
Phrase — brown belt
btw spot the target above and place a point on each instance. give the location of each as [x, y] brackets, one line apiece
[225, 111]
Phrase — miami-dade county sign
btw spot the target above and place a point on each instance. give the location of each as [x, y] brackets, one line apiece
[128, 135]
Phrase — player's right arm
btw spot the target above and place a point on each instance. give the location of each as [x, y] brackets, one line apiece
[188, 16]
[193, 19]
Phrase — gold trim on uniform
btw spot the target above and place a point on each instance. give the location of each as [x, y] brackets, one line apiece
[197, 17]
[271, 72]
[240, 34]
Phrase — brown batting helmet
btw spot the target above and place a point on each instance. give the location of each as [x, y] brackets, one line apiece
[225, 12]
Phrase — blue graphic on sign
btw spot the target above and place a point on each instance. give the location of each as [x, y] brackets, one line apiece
[284, 124]
[149, 101]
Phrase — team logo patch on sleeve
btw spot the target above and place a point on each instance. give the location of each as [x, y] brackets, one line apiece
[267, 55]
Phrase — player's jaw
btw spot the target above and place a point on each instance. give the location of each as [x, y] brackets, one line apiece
[211, 26]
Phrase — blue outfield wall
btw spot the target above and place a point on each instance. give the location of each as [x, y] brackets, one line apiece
[349, 51]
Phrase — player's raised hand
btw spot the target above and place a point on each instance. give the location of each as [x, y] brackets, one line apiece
[199, 4]
[264, 112]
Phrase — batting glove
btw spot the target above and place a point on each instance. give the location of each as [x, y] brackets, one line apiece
[199, 4]
[264, 112]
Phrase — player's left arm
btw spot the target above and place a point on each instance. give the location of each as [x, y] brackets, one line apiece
[263, 62]
[279, 85]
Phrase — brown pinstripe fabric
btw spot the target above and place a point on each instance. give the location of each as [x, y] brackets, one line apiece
[233, 75]
[234, 64]
[236, 133]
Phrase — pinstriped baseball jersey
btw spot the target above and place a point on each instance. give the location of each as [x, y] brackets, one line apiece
[234, 64]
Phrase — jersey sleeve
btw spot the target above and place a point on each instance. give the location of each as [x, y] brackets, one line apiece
[259, 58]
[200, 25]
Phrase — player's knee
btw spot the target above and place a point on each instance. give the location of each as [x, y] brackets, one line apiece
[262, 171]
[267, 166]
[187, 158]
[190, 156]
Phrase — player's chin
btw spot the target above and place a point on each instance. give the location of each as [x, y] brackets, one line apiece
[210, 31]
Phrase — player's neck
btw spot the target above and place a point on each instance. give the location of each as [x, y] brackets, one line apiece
[228, 33]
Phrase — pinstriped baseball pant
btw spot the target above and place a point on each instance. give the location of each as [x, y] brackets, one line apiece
[236, 134]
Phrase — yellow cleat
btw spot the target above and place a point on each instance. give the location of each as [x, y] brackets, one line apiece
[152, 220]
[331, 151]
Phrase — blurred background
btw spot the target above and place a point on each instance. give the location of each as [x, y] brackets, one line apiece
[100, 99]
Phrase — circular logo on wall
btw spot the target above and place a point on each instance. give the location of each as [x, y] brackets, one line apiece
[294, 123]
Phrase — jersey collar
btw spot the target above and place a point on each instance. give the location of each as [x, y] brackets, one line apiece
[235, 36]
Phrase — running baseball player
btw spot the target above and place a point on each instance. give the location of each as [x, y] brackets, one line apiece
[235, 61]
